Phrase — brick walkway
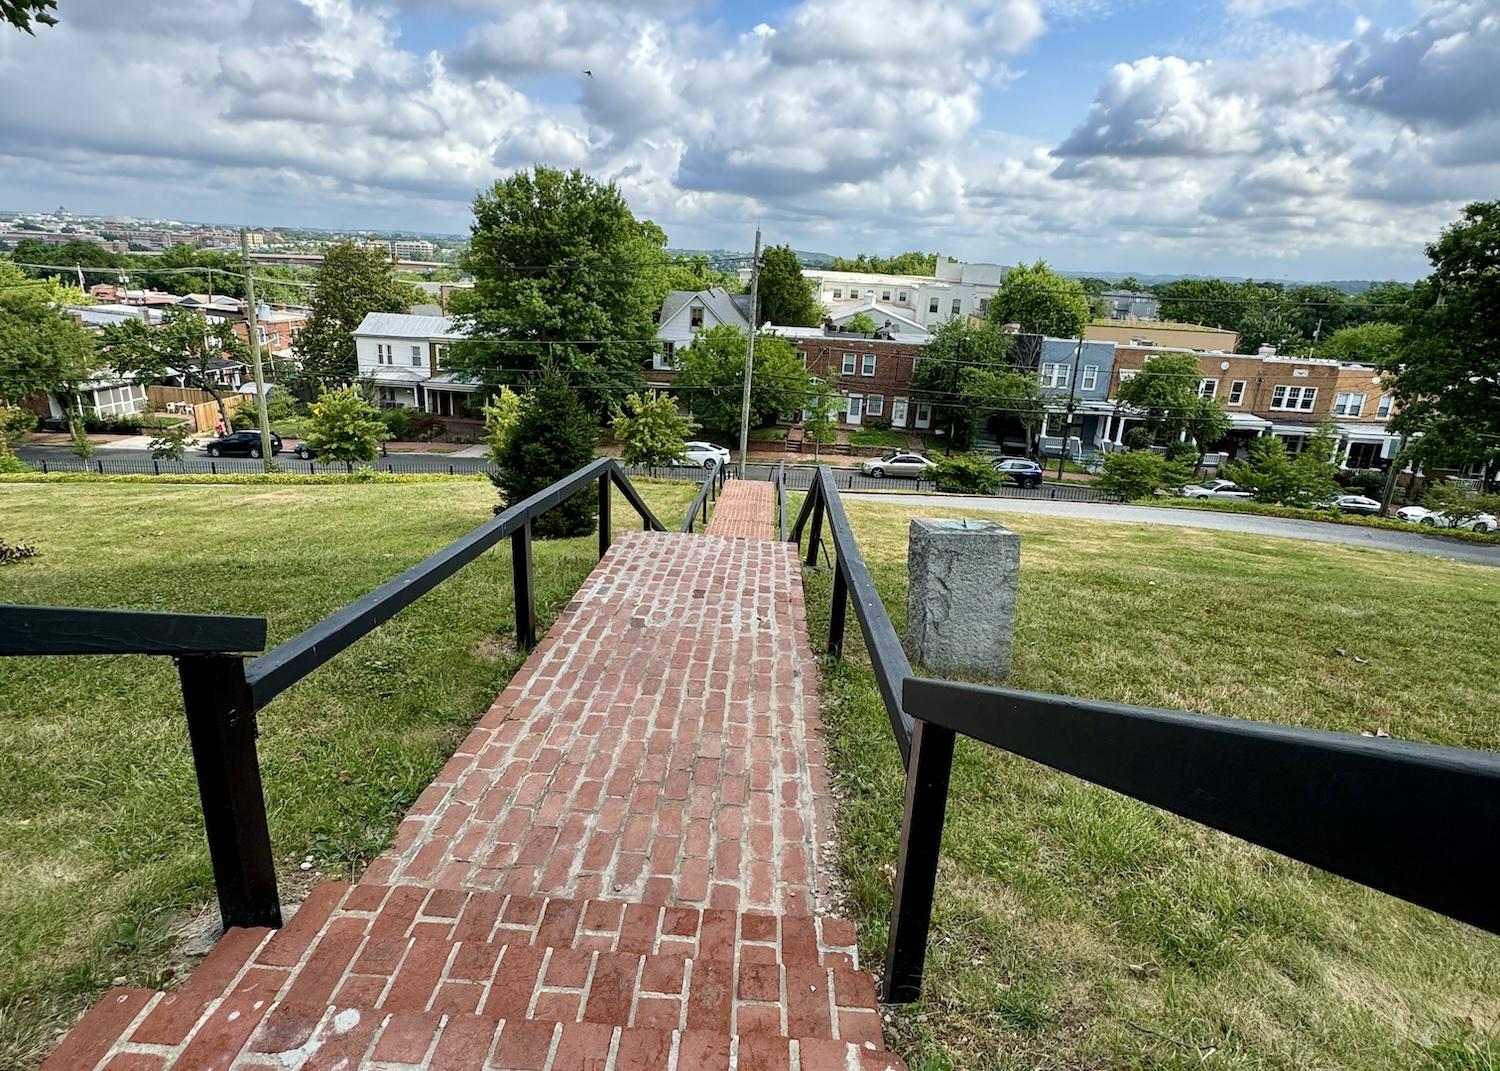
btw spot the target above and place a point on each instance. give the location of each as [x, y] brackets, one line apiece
[746, 508]
[617, 871]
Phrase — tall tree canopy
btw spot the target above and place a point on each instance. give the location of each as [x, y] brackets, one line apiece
[565, 276]
[696, 272]
[1447, 366]
[967, 372]
[41, 348]
[711, 377]
[184, 344]
[1041, 301]
[1373, 343]
[352, 282]
[786, 296]
[909, 263]
[1164, 394]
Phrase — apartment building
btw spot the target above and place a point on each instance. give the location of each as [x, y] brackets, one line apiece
[1131, 305]
[954, 289]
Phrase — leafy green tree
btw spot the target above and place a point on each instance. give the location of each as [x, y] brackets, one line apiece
[1272, 475]
[947, 379]
[1377, 343]
[786, 296]
[1211, 302]
[15, 422]
[1164, 395]
[964, 474]
[1135, 474]
[171, 444]
[501, 414]
[554, 437]
[820, 424]
[41, 349]
[20, 13]
[1269, 325]
[1041, 301]
[183, 345]
[861, 323]
[651, 430]
[1010, 391]
[81, 445]
[565, 277]
[696, 272]
[711, 374]
[910, 263]
[1458, 504]
[1446, 369]
[344, 427]
[1206, 422]
[352, 282]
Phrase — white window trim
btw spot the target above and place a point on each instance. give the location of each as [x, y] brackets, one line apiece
[1208, 388]
[1236, 393]
[854, 407]
[850, 363]
[867, 364]
[1384, 406]
[1294, 399]
[1349, 403]
[875, 405]
[1090, 378]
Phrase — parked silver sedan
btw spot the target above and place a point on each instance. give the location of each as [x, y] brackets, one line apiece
[913, 465]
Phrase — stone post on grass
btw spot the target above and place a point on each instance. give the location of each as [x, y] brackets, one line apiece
[961, 596]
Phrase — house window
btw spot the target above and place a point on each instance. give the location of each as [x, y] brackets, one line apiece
[1383, 407]
[1208, 388]
[1299, 398]
[854, 409]
[1237, 392]
[848, 366]
[885, 295]
[440, 357]
[901, 296]
[1128, 373]
[1055, 375]
[664, 359]
[1090, 376]
[874, 404]
[838, 293]
[924, 415]
[1348, 404]
[867, 368]
[958, 306]
[416, 356]
[695, 317]
[932, 305]
[387, 396]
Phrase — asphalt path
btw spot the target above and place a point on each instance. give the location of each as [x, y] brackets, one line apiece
[1414, 542]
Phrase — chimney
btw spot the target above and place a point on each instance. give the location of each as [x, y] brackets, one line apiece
[1266, 350]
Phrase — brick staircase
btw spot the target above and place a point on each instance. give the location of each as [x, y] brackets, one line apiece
[618, 870]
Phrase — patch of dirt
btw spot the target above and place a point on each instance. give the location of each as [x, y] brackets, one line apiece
[496, 647]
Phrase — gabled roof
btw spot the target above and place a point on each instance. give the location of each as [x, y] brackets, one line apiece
[404, 325]
[727, 308]
[879, 313]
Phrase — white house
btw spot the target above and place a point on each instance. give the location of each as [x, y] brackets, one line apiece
[403, 357]
[686, 312]
[888, 319]
[955, 289]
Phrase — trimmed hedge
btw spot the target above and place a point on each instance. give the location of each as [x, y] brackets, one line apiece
[1293, 513]
[356, 477]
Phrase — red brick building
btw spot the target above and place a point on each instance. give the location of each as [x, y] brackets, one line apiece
[872, 375]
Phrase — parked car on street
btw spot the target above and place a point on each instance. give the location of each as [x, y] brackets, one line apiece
[241, 444]
[1368, 507]
[1215, 489]
[1022, 470]
[913, 465]
[1484, 522]
[706, 454]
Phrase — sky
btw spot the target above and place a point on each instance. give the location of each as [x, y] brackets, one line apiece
[1298, 139]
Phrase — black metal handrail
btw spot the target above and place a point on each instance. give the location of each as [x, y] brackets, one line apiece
[1400, 817]
[699, 506]
[221, 694]
[780, 481]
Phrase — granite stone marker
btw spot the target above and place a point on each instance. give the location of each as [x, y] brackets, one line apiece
[961, 596]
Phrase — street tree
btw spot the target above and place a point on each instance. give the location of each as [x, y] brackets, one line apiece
[1162, 393]
[352, 282]
[1273, 475]
[41, 348]
[1377, 343]
[344, 427]
[964, 372]
[696, 272]
[555, 436]
[501, 414]
[184, 345]
[786, 295]
[565, 277]
[711, 375]
[650, 429]
[1446, 368]
[820, 421]
[1041, 301]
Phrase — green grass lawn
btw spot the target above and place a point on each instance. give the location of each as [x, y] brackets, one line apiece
[1075, 928]
[878, 437]
[101, 839]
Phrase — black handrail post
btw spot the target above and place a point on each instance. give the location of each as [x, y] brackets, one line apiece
[927, 777]
[836, 612]
[524, 584]
[815, 534]
[222, 728]
[606, 530]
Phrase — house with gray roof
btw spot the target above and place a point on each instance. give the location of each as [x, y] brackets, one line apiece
[403, 357]
[686, 312]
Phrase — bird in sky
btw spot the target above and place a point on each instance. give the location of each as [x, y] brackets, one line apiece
[589, 73]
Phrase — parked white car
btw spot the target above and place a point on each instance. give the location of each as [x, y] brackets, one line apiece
[1484, 522]
[913, 465]
[1215, 489]
[706, 454]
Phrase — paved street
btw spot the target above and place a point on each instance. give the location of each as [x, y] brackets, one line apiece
[1414, 542]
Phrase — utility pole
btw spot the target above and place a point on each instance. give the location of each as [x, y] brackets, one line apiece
[750, 353]
[1062, 454]
[260, 378]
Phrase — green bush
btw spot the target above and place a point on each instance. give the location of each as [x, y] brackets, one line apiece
[1140, 473]
[397, 423]
[94, 424]
[553, 437]
[1273, 476]
[1367, 482]
[968, 474]
[423, 427]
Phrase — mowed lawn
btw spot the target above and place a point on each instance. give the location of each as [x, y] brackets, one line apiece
[102, 853]
[1078, 929]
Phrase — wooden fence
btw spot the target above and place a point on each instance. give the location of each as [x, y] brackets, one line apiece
[190, 401]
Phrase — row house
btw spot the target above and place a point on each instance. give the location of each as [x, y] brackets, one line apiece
[871, 373]
[404, 357]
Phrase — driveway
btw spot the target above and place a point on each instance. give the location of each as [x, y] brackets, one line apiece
[1317, 531]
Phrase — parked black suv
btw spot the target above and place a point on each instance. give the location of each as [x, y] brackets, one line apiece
[241, 444]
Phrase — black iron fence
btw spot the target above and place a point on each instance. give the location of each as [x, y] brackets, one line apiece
[1414, 820]
[221, 693]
